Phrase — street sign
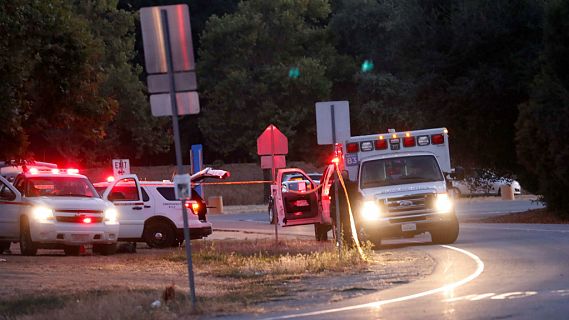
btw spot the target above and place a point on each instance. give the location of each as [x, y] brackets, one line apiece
[332, 122]
[182, 186]
[272, 141]
[188, 103]
[180, 34]
[121, 167]
[267, 162]
[196, 162]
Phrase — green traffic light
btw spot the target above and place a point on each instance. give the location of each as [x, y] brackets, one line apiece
[367, 66]
[294, 73]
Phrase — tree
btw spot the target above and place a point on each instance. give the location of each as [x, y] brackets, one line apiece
[542, 123]
[246, 60]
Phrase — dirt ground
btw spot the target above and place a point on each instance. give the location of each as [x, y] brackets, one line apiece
[53, 273]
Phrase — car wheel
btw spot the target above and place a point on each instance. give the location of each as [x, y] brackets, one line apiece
[159, 234]
[72, 250]
[105, 249]
[27, 246]
[446, 233]
[271, 211]
[321, 231]
[4, 245]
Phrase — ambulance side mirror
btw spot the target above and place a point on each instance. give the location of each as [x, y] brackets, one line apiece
[458, 173]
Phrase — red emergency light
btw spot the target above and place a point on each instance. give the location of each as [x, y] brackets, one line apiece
[192, 206]
[408, 142]
[87, 220]
[437, 139]
[352, 147]
[380, 144]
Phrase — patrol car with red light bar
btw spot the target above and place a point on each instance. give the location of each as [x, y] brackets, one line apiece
[55, 209]
[150, 212]
[399, 186]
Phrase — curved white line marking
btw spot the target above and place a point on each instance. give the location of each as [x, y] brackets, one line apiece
[474, 275]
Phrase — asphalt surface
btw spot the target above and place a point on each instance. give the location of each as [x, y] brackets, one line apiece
[493, 271]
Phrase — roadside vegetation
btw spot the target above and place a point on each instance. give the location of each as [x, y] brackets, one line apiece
[230, 276]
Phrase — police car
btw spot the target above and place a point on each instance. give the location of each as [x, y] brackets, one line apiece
[150, 212]
[55, 209]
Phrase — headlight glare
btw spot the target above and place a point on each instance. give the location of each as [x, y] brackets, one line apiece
[370, 210]
[111, 215]
[42, 213]
[443, 204]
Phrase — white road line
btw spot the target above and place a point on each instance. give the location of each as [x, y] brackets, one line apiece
[516, 229]
[474, 275]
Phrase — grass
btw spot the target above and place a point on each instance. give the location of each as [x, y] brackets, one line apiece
[231, 276]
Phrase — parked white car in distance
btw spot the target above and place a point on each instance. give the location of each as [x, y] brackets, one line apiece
[483, 182]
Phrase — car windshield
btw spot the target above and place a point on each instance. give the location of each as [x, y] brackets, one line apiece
[60, 187]
[397, 171]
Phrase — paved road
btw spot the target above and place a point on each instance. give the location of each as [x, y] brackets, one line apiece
[493, 271]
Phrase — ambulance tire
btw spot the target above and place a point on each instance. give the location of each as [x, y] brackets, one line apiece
[72, 250]
[105, 249]
[374, 238]
[4, 246]
[447, 233]
[321, 231]
[27, 246]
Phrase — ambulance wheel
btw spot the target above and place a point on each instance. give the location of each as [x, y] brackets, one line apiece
[105, 249]
[159, 234]
[447, 233]
[374, 238]
[321, 231]
[72, 250]
[27, 246]
[4, 246]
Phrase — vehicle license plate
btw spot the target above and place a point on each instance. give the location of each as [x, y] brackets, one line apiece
[408, 227]
[79, 237]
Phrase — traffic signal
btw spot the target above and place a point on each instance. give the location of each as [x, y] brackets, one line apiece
[367, 66]
[294, 73]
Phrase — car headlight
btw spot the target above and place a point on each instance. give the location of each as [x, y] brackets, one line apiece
[370, 210]
[443, 204]
[43, 214]
[111, 215]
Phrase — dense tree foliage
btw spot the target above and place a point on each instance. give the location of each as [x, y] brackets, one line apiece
[543, 121]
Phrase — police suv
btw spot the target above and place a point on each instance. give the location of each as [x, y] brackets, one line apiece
[150, 212]
[55, 209]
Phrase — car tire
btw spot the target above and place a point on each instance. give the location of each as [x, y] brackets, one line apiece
[271, 211]
[159, 234]
[27, 246]
[446, 233]
[105, 249]
[72, 250]
[4, 246]
[321, 231]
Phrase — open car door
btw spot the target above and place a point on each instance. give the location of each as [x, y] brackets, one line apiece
[298, 201]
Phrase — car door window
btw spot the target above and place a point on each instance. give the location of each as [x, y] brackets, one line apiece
[5, 192]
[125, 190]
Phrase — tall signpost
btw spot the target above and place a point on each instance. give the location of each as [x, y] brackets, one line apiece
[333, 127]
[169, 60]
[272, 146]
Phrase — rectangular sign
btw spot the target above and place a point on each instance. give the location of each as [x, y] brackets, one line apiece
[332, 122]
[267, 162]
[188, 103]
[180, 38]
[183, 81]
[121, 167]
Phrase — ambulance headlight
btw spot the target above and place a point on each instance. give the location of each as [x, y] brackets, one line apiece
[443, 204]
[111, 216]
[43, 214]
[370, 211]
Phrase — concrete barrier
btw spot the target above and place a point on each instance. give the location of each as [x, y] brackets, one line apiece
[215, 204]
[507, 192]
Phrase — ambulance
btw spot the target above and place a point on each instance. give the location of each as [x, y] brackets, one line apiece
[399, 187]
[396, 186]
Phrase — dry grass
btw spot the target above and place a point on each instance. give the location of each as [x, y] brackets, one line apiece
[231, 276]
[530, 216]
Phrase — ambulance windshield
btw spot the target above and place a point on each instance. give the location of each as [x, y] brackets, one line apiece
[401, 170]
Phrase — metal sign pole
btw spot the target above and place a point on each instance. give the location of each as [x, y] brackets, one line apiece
[338, 222]
[164, 16]
[274, 180]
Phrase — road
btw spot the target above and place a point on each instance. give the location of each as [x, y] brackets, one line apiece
[493, 271]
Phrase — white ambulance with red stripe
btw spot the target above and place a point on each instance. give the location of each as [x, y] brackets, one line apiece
[398, 186]
[55, 209]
